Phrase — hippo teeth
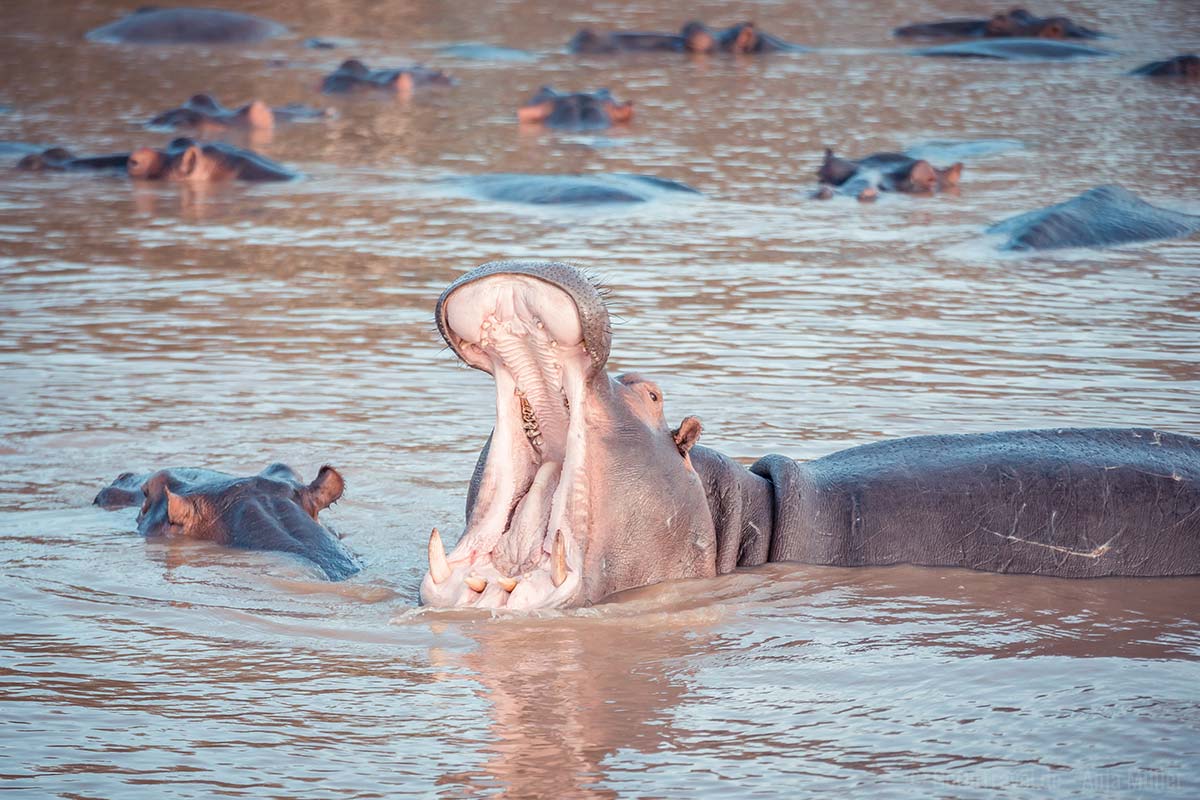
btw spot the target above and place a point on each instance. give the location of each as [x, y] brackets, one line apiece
[476, 583]
[439, 568]
[558, 572]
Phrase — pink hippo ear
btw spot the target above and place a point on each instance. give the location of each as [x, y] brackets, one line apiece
[324, 491]
[950, 175]
[535, 112]
[189, 162]
[260, 115]
[687, 434]
[181, 511]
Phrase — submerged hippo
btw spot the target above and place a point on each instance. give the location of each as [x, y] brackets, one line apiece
[1102, 216]
[583, 490]
[1017, 22]
[60, 159]
[883, 172]
[1015, 50]
[577, 111]
[353, 75]
[695, 37]
[186, 26]
[273, 510]
[188, 160]
[594, 189]
[203, 111]
[1186, 67]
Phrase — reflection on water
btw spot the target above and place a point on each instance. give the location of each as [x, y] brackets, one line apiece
[239, 325]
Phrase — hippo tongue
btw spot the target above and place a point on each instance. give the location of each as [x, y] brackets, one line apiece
[527, 529]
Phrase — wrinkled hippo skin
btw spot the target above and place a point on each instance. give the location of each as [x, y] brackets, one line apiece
[203, 110]
[194, 162]
[695, 37]
[273, 510]
[883, 172]
[583, 490]
[575, 189]
[1015, 23]
[1186, 67]
[1106, 215]
[186, 26]
[577, 111]
[354, 75]
[1015, 50]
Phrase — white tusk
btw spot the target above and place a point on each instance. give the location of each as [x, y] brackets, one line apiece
[439, 570]
[558, 560]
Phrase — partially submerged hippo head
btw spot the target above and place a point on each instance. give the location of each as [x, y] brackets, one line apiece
[190, 161]
[274, 510]
[580, 467]
[888, 172]
[575, 111]
[1186, 67]
[353, 75]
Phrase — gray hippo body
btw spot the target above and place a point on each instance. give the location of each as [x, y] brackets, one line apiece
[1015, 50]
[695, 37]
[1183, 67]
[353, 75]
[1106, 215]
[187, 26]
[883, 172]
[596, 189]
[583, 490]
[59, 159]
[203, 110]
[271, 511]
[187, 160]
[1015, 23]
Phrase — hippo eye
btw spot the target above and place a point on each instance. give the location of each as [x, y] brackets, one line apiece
[654, 395]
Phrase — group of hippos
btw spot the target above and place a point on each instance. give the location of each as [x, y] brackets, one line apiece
[583, 489]
[1106, 215]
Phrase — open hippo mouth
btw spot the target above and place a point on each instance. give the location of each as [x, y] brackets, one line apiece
[541, 331]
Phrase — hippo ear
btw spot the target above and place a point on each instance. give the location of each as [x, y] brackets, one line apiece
[324, 491]
[259, 115]
[181, 510]
[950, 175]
[188, 161]
[687, 434]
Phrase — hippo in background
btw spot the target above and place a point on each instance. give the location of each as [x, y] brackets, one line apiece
[883, 172]
[273, 510]
[583, 489]
[183, 159]
[1106, 215]
[1015, 23]
[187, 26]
[1014, 50]
[1185, 67]
[354, 75]
[203, 111]
[579, 111]
[694, 37]
[574, 190]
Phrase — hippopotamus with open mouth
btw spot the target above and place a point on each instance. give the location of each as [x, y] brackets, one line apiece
[1015, 23]
[578, 111]
[695, 37]
[182, 160]
[1185, 67]
[353, 75]
[583, 489]
[1106, 215]
[883, 172]
[273, 510]
[187, 26]
[203, 111]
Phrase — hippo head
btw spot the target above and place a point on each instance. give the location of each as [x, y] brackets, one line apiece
[582, 489]
[698, 38]
[743, 38]
[923, 177]
[183, 160]
[579, 110]
[147, 164]
[245, 512]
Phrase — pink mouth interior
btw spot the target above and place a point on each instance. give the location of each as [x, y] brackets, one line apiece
[527, 334]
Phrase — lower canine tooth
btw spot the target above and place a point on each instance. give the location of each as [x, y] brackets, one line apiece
[558, 560]
[476, 583]
[507, 584]
[439, 570]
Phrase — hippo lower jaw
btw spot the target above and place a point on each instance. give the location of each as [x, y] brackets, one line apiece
[524, 546]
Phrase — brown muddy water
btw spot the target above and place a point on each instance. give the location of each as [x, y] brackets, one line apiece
[154, 326]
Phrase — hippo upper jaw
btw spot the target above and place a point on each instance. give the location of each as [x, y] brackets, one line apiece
[542, 333]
